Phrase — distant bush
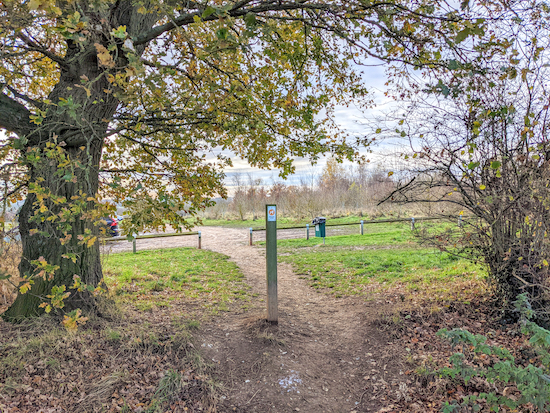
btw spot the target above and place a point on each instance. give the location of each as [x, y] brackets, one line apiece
[10, 254]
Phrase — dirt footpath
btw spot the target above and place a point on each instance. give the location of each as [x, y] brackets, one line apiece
[325, 355]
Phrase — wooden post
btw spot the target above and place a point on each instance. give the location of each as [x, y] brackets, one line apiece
[412, 224]
[271, 262]
[134, 245]
[200, 240]
[307, 231]
[460, 221]
[250, 238]
[361, 227]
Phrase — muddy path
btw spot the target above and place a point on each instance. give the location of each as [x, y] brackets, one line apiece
[325, 355]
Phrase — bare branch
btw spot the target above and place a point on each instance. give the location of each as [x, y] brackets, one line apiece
[401, 188]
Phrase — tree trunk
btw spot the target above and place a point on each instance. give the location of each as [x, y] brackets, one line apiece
[62, 156]
[42, 238]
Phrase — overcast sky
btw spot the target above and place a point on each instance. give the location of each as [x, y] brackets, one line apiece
[349, 119]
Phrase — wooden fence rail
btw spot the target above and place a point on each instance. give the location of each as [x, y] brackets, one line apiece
[149, 236]
[379, 221]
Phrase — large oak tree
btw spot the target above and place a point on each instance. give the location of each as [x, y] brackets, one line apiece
[141, 101]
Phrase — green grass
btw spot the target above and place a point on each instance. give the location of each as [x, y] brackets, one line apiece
[387, 257]
[373, 235]
[158, 277]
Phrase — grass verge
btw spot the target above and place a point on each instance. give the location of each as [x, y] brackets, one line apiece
[158, 278]
[388, 259]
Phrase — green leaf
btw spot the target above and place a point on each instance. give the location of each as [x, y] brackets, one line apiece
[445, 91]
[453, 64]
[119, 32]
[495, 164]
[462, 35]
[222, 33]
[208, 11]
[250, 19]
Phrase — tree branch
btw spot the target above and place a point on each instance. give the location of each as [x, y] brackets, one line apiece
[13, 191]
[14, 116]
[236, 11]
[27, 99]
[37, 48]
[396, 191]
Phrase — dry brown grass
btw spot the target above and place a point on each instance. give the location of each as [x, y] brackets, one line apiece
[10, 255]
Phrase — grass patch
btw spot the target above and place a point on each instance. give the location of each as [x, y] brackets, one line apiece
[374, 235]
[156, 278]
[379, 260]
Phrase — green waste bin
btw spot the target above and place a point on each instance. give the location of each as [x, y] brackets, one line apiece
[319, 223]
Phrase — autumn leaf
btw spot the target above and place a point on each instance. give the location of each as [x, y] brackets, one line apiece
[104, 57]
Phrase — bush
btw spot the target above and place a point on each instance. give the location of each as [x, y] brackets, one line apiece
[495, 365]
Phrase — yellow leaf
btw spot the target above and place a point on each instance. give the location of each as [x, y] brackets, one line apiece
[545, 263]
[25, 287]
[482, 187]
[390, 173]
[47, 308]
[34, 4]
[104, 57]
[91, 241]
[72, 320]
[69, 323]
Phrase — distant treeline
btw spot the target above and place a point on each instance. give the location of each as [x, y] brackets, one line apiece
[337, 191]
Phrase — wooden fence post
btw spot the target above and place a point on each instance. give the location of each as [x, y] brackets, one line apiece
[200, 246]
